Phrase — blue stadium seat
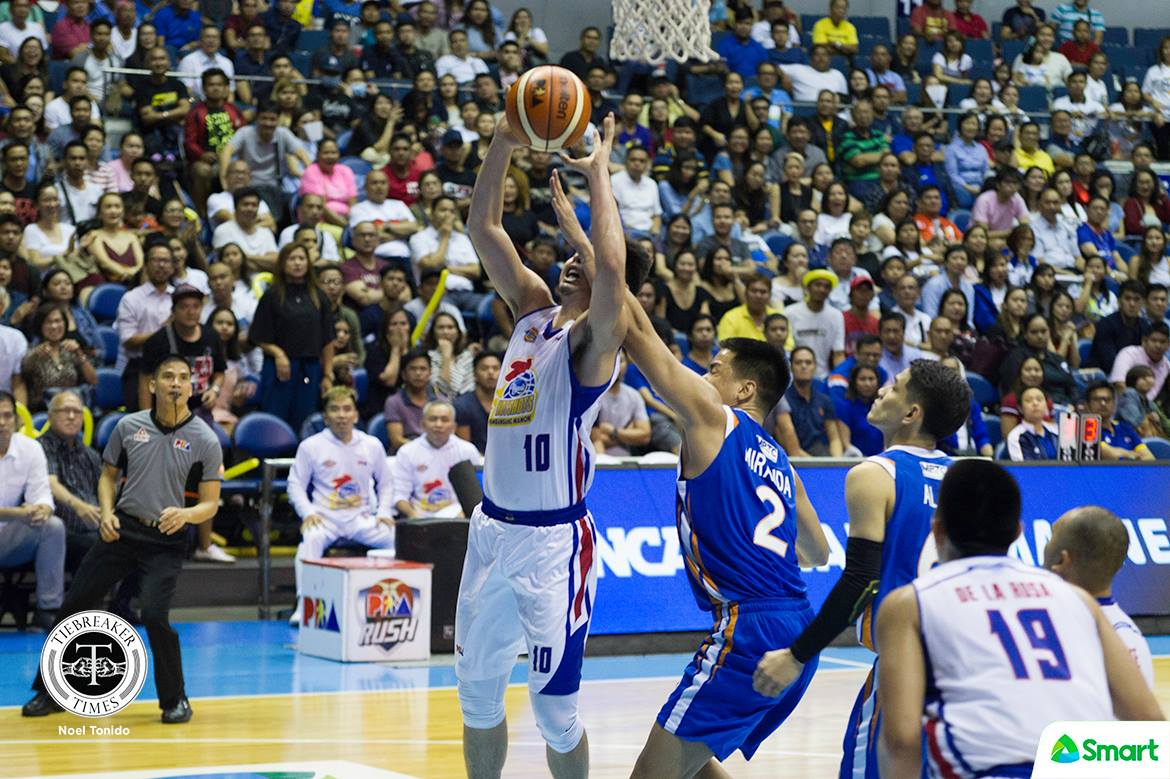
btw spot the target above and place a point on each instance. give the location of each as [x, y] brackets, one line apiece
[108, 395]
[312, 425]
[961, 217]
[682, 342]
[302, 61]
[1149, 37]
[361, 384]
[377, 428]
[912, 93]
[1012, 49]
[1084, 349]
[39, 419]
[983, 69]
[1033, 99]
[264, 435]
[878, 26]
[985, 394]
[105, 429]
[1160, 447]
[103, 301]
[107, 344]
[1116, 36]
[1001, 452]
[703, 89]
[1124, 56]
[778, 244]
[57, 70]
[980, 50]
[311, 40]
[994, 431]
[807, 21]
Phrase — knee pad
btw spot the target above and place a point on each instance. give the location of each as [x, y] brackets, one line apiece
[557, 718]
[482, 702]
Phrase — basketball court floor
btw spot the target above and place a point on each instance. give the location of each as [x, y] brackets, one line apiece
[262, 710]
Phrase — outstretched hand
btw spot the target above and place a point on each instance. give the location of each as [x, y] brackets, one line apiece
[598, 160]
[567, 215]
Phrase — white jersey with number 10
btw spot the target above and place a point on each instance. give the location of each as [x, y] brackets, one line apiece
[539, 456]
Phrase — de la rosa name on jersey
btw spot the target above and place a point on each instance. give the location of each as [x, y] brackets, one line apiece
[538, 455]
[908, 549]
[737, 520]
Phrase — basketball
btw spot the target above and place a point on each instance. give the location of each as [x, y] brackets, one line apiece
[548, 108]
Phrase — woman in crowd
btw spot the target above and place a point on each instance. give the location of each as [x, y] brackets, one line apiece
[231, 255]
[1033, 438]
[990, 292]
[54, 363]
[1030, 373]
[908, 245]
[520, 223]
[1018, 250]
[57, 288]
[893, 209]
[982, 100]
[174, 224]
[97, 172]
[723, 114]
[795, 194]
[331, 180]
[1135, 407]
[1092, 298]
[966, 162]
[147, 40]
[757, 199]
[978, 246]
[446, 108]
[1028, 69]
[788, 286]
[1102, 185]
[115, 247]
[1149, 264]
[131, 149]
[430, 189]
[833, 220]
[1071, 209]
[681, 192]
[371, 137]
[731, 162]
[932, 98]
[701, 340]
[1058, 381]
[47, 240]
[953, 306]
[1147, 205]
[658, 122]
[186, 268]
[1035, 181]
[31, 61]
[532, 40]
[852, 411]
[764, 150]
[483, 36]
[1010, 318]
[345, 356]
[235, 392]
[383, 360]
[452, 358]
[678, 240]
[1063, 329]
[1130, 120]
[1009, 95]
[683, 296]
[1042, 288]
[294, 328]
[952, 65]
[720, 282]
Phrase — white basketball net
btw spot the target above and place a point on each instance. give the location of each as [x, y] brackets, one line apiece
[654, 31]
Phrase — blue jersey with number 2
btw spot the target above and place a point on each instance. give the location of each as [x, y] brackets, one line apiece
[737, 520]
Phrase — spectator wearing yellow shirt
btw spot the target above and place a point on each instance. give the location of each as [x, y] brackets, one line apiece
[1029, 154]
[835, 31]
[747, 320]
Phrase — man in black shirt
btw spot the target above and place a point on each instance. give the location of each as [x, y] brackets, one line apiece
[334, 58]
[252, 61]
[1125, 327]
[457, 180]
[283, 30]
[579, 61]
[472, 408]
[15, 180]
[378, 60]
[199, 346]
[163, 104]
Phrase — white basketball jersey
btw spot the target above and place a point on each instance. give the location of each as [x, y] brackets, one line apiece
[1129, 634]
[1010, 648]
[538, 455]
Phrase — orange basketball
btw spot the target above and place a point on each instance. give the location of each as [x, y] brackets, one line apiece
[548, 108]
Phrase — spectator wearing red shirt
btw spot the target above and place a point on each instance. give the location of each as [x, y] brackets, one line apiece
[969, 25]
[208, 127]
[859, 319]
[70, 35]
[404, 170]
[930, 21]
[1082, 47]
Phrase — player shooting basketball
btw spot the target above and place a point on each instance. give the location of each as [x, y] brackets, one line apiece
[529, 577]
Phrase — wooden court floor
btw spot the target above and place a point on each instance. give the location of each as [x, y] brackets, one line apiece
[413, 732]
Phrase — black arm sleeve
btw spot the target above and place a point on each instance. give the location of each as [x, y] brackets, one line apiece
[851, 594]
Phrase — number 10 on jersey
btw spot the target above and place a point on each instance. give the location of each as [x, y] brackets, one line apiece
[536, 452]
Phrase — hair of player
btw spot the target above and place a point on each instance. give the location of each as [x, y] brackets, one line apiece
[979, 507]
[943, 395]
[762, 363]
[638, 265]
[1097, 542]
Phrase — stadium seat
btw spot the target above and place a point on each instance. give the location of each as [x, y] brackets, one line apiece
[703, 89]
[302, 60]
[105, 428]
[878, 26]
[1012, 49]
[377, 428]
[1033, 99]
[109, 389]
[361, 384]
[264, 435]
[311, 40]
[980, 50]
[961, 217]
[1124, 56]
[778, 244]
[985, 394]
[103, 302]
[1160, 447]
[1084, 349]
[39, 420]
[1001, 452]
[312, 425]
[1116, 36]
[994, 431]
[107, 344]
[57, 70]
[682, 342]
[1149, 37]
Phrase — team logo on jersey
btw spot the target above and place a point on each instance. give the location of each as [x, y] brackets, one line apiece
[1065, 750]
[182, 443]
[515, 402]
[768, 449]
[391, 609]
[141, 436]
[935, 471]
[346, 493]
[94, 663]
[531, 334]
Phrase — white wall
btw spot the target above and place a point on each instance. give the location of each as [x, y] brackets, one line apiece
[562, 20]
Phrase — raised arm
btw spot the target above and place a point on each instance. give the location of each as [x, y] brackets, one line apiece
[519, 286]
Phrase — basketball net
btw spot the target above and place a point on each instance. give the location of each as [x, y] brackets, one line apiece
[653, 31]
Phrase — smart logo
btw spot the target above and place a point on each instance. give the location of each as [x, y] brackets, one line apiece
[1065, 750]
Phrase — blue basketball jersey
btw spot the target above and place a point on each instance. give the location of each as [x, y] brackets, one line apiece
[908, 550]
[737, 520]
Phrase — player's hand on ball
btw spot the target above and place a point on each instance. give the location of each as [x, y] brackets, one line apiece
[602, 146]
[108, 528]
[505, 135]
[172, 520]
[776, 670]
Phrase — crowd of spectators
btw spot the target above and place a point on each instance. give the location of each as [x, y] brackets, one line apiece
[859, 199]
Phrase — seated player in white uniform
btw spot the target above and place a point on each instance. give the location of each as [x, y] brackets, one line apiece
[420, 470]
[340, 487]
[1088, 548]
[981, 653]
[530, 575]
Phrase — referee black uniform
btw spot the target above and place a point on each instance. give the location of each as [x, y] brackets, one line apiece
[160, 464]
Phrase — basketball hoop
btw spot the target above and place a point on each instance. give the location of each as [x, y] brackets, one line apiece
[653, 31]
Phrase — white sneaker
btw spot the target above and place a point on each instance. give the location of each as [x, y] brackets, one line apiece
[213, 554]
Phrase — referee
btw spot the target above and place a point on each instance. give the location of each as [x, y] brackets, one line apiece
[163, 454]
